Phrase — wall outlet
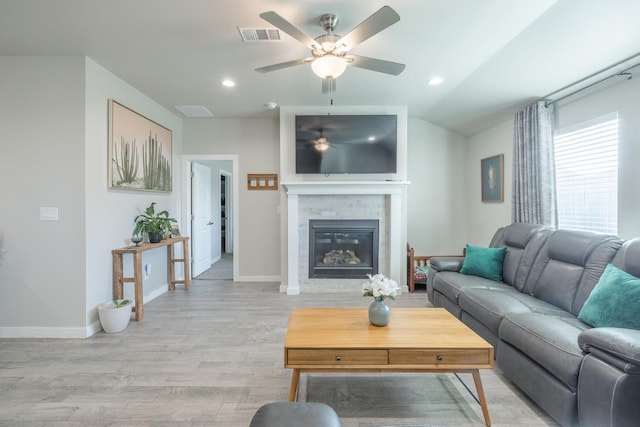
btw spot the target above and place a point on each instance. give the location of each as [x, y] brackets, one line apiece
[147, 270]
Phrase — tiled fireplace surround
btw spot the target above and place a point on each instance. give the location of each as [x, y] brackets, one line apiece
[380, 200]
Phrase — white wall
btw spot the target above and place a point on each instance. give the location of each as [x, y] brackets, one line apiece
[53, 116]
[42, 263]
[484, 218]
[110, 213]
[256, 142]
[436, 197]
[621, 96]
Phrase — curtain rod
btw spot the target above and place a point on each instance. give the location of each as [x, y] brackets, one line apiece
[624, 73]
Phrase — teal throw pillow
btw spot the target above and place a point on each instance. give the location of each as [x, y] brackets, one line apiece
[614, 301]
[483, 262]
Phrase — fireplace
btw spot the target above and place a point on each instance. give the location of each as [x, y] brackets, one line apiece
[344, 248]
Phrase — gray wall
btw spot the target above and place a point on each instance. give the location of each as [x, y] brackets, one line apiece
[256, 143]
[436, 197]
[53, 116]
[42, 272]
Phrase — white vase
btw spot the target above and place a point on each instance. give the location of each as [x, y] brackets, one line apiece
[114, 319]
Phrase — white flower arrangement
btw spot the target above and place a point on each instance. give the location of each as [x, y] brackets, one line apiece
[380, 287]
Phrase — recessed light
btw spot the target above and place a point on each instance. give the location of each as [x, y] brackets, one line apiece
[434, 81]
[228, 83]
[371, 138]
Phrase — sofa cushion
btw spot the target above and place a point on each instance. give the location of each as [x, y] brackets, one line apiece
[483, 262]
[569, 266]
[550, 340]
[516, 238]
[614, 302]
[489, 305]
[451, 284]
[628, 257]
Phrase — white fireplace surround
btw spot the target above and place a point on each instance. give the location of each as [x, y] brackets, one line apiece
[395, 190]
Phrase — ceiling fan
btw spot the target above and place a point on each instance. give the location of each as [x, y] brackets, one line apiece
[330, 52]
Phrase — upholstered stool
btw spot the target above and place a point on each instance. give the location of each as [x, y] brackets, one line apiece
[295, 414]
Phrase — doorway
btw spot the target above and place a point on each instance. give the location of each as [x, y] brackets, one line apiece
[222, 220]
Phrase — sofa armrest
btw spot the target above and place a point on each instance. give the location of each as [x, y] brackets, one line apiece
[621, 343]
[446, 263]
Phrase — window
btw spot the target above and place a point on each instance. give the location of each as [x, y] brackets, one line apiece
[586, 160]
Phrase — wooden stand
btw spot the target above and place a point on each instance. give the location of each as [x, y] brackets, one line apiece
[136, 251]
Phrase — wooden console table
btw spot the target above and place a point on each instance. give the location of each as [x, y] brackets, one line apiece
[136, 251]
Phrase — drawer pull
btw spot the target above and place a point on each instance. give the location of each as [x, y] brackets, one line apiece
[439, 357]
[338, 358]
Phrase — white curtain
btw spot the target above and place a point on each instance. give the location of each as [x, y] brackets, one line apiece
[534, 192]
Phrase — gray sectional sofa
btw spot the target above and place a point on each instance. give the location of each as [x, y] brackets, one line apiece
[581, 375]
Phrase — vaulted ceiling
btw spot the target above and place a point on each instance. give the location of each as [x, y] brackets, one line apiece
[495, 55]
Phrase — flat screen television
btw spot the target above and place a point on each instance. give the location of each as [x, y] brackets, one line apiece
[346, 144]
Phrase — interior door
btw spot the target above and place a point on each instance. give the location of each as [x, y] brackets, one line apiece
[202, 219]
[227, 216]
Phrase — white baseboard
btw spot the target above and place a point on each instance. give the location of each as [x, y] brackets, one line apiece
[42, 332]
[79, 332]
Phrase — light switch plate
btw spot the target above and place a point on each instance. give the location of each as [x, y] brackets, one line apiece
[48, 214]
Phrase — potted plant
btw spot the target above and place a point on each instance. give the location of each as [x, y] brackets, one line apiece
[114, 315]
[156, 224]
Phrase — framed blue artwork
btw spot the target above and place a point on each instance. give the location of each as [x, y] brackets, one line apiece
[492, 178]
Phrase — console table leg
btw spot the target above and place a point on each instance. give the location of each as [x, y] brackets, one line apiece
[171, 267]
[137, 283]
[481, 398]
[185, 257]
[118, 290]
[295, 379]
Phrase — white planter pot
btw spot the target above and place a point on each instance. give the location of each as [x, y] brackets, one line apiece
[114, 319]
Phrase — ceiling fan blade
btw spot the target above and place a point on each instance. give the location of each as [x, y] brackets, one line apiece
[282, 65]
[287, 27]
[328, 85]
[383, 18]
[373, 64]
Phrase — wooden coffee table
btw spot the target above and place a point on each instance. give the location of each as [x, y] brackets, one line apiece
[416, 340]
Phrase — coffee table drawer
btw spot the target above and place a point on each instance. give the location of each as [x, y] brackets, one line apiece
[336, 357]
[442, 357]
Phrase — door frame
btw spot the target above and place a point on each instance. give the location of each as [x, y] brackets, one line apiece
[185, 184]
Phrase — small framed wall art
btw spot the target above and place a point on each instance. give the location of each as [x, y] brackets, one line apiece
[262, 181]
[492, 178]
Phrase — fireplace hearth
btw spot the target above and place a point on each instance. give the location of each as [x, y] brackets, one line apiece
[343, 248]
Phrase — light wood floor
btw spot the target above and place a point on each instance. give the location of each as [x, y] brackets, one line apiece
[207, 357]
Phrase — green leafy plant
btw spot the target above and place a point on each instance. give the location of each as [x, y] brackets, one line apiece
[153, 222]
[120, 303]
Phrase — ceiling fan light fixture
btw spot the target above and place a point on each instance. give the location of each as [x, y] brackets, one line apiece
[321, 144]
[329, 66]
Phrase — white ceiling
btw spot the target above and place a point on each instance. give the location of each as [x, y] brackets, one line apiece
[496, 55]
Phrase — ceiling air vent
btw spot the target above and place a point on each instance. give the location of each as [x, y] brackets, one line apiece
[260, 34]
[194, 110]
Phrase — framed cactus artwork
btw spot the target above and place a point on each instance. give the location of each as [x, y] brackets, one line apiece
[139, 151]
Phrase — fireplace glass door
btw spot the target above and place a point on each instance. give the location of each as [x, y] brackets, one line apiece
[343, 248]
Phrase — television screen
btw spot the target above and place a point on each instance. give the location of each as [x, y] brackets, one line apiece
[365, 144]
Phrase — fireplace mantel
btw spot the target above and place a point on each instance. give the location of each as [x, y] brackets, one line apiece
[345, 187]
[395, 190]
